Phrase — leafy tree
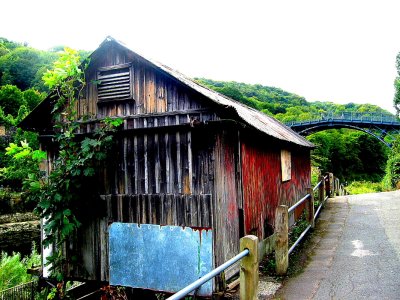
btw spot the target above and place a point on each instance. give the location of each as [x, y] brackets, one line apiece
[32, 98]
[396, 100]
[11, 99]
[392, 171]
[20, 66]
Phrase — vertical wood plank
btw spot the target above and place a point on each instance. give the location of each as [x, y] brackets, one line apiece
[178, 161]
[136, 164]
[168, 163]
[104, 268]
[125, 165]
[173, 170]
[157, 164]
[190, 161]
[186, 189]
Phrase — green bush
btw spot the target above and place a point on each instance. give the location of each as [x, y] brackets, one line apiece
[13, 268]
[392, 176]
[364, 187]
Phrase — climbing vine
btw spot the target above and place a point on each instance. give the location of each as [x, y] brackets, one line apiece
[60, 194]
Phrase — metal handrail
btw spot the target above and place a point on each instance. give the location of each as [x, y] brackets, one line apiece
[299, 239]
[317, 186]
[199, 282]
[315, 215]
[318, 210]
[298, 203]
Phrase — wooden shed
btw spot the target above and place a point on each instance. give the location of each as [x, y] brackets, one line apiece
[186, 156]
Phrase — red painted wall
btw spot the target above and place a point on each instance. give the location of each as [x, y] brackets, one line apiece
[263, 189]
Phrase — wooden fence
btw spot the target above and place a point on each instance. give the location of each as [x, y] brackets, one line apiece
[328, 186]
[25, 291]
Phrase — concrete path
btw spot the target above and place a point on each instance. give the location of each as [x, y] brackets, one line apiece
[355, 251]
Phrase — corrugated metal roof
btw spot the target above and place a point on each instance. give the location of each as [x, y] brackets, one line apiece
[252, 117]
[249, 115]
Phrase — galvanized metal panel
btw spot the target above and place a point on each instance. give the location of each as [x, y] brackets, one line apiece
[163, 258]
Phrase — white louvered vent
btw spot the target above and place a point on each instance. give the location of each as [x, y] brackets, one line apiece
[114, 83]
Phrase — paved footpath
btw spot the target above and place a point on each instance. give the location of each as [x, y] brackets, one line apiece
[356, 251]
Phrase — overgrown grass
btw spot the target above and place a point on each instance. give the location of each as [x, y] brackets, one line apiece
[364, 187]
[13, 268]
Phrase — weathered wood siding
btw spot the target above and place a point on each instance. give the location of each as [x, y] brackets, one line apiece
[263, 189]
[153, 91]
[172, 162]
[164, 178]
[186, 178]
[226, 208]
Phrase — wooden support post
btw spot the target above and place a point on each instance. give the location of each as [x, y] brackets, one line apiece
[332, 185]
[282, 239]
[249, 268]
[321, 192]
[311, 209]
[337, 186]
[327, 185]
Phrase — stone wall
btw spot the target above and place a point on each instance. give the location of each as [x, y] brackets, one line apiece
[18, 232]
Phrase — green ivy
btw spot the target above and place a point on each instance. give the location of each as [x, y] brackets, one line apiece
[61, 196]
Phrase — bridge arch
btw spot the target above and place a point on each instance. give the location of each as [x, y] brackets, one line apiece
[377, 125]
[318, 128]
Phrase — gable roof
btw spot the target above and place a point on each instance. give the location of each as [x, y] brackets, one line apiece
[250, 116]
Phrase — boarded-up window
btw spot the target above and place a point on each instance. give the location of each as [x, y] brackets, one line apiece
[286, 165]
[114, 83]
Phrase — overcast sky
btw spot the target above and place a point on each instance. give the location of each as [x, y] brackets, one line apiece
[340, 51]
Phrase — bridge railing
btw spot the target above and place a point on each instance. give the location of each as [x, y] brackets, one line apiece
[379, 118]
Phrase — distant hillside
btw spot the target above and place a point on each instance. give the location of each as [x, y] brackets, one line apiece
[284, 105]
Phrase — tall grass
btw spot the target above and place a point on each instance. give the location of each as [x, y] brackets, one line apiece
[13, 268]
[364, 187]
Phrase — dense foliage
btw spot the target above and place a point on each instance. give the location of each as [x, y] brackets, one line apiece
[13, 268]
[24, 66]
[346, 153]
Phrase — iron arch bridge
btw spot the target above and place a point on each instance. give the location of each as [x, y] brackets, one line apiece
[380, 126]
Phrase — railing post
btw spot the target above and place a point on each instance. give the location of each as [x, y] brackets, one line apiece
[337, 186]
[330, 189]
[321, 192]
[281, 239]
[327, 185]
[311, 207]
[249, 268]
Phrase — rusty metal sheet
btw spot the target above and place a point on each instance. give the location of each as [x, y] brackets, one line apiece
[162, 258]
